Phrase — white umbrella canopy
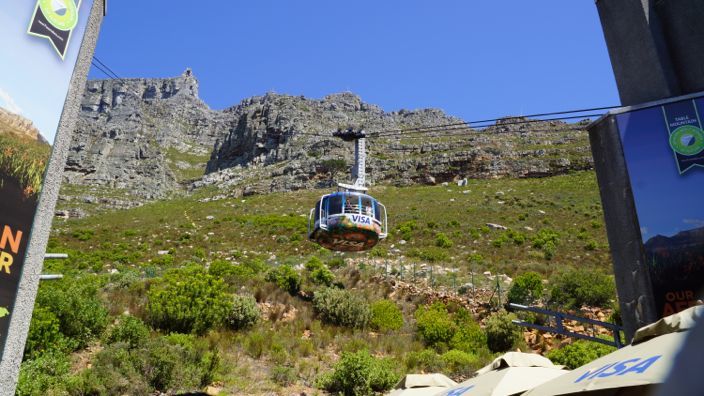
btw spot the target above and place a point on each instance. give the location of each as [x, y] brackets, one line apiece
[632, 370]
[510, 374]
[422, 385]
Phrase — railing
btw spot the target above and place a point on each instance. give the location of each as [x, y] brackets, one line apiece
[60, 256]
[560, 328]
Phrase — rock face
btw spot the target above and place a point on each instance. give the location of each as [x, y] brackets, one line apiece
[128, 129]
[15, 124]
[154, 137]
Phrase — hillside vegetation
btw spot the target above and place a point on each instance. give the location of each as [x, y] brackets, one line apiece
[197, 292]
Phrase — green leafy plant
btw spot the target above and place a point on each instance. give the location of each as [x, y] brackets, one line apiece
[386, 316]
[286, 278]
[526, 288]
[579, 353]
[342, 308]
[245, 312]
[359, 374]
[501, 333]
[574, 287]
[130, 330]
[188, 300]
[435, 326]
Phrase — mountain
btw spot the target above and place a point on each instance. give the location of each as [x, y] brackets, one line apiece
[15, 124]
[144, 139]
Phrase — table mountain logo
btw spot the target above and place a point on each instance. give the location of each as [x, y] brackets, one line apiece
[55, 20]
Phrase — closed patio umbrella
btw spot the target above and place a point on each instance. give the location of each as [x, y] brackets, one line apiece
[633, 370]
[422, 385]
[511, 374]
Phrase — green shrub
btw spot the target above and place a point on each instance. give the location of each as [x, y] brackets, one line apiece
[579, 353]
[359, 374]
[245, 312]
[386, 316]
[432, 254]
[318, 273]
[75, 304]
[44, 373]
[130, 330]
[235, 274]
[469, 337]
[526, 288]
[426, 360]
[435, 326]
[44, 334]
[171, 364]
[545, 236]
[460, 363]
[188, 301]
[283, 375]
[501, 333]
[342, 308]
[442, 241]
[338, 262]
[576, 287]
[286, 278]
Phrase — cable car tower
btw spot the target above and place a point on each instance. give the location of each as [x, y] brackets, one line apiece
[349, 220]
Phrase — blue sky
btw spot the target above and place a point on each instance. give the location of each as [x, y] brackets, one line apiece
[473, 59]
[664, 199]
[33, 78]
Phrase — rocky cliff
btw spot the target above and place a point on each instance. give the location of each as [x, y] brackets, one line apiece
[150, 138]
[15, 124]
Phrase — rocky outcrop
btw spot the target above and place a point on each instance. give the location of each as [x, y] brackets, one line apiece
[17, 125]
[153, 137]
[128, 128]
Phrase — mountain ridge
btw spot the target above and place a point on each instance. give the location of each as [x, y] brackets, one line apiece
[152, 138]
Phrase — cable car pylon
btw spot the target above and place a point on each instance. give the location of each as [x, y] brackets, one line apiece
[349, 220]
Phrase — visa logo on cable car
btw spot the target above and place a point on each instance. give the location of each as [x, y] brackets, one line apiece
[635, 365]
[361, 219]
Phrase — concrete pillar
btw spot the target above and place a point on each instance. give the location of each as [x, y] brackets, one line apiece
[656, 47]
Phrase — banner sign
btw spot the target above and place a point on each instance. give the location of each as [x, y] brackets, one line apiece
[34, 82]
[664, 151]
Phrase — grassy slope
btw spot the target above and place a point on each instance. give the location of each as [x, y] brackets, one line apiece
[275, 224]
[273, 228]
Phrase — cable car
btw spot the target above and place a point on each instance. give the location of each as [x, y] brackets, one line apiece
[349, 220]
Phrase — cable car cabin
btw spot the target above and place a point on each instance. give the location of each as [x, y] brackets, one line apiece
[347, 222]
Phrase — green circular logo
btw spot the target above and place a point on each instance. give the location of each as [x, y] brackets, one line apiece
[62, 14]
[687, 140]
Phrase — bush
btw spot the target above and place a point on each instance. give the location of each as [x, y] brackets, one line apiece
[235, 274]
[44, 334]
[435, 326]
[46, 372]
[526, 288]
[359, 374]
[426, 360]
[460, 363]
[386, 316]
[342, 308]
[245, 312]
[188, 301]
[337, 262]
[579, 353]
[441, 240]
[318, 273]
[576, 287]
[130, 330]
[170, 364]
[469, 337]
[286, 278]
[283, 375]
[75, 303]
[501, 333]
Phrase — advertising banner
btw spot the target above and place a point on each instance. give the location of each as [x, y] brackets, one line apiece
[664, 151]
[39, 46]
